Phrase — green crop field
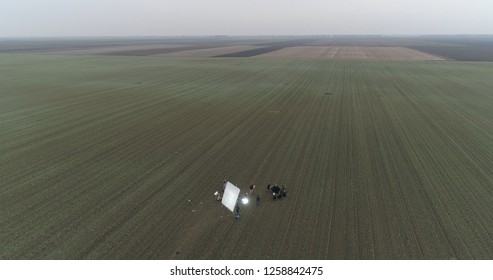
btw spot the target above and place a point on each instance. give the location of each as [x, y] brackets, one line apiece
[109, 157]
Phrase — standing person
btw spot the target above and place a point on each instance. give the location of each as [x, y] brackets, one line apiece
[258, 199]
[252, 189]
[237, 212]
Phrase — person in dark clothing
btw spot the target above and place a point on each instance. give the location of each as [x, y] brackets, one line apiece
[258, 199]
[276, 192]
[237, 212]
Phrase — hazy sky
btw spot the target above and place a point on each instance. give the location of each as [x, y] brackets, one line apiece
[243, 17]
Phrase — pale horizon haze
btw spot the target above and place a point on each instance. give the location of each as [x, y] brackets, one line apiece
[53, 18]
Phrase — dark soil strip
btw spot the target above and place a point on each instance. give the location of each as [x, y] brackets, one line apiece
[459, 48]
[272, 47]
[146, 52]
[250, 53]
[460, 53]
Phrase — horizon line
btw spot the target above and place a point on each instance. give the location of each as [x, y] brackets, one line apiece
[269, 35]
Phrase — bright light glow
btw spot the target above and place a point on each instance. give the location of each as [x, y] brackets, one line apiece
[244, 200]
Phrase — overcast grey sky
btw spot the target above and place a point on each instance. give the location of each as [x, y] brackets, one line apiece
[243, 17]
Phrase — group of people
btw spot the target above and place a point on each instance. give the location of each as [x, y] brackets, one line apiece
[251, 192]
[278, 192]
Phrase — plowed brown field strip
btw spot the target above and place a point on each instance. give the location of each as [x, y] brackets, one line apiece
[352, 53]
[210, 52]
[106, 157]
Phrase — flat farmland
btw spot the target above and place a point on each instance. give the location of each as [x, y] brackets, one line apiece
[137, 49]
[211, 52]
[118, 157]
[468, 48]
[352, 53]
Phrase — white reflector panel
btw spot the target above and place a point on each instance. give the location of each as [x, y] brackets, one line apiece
[231, 193]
